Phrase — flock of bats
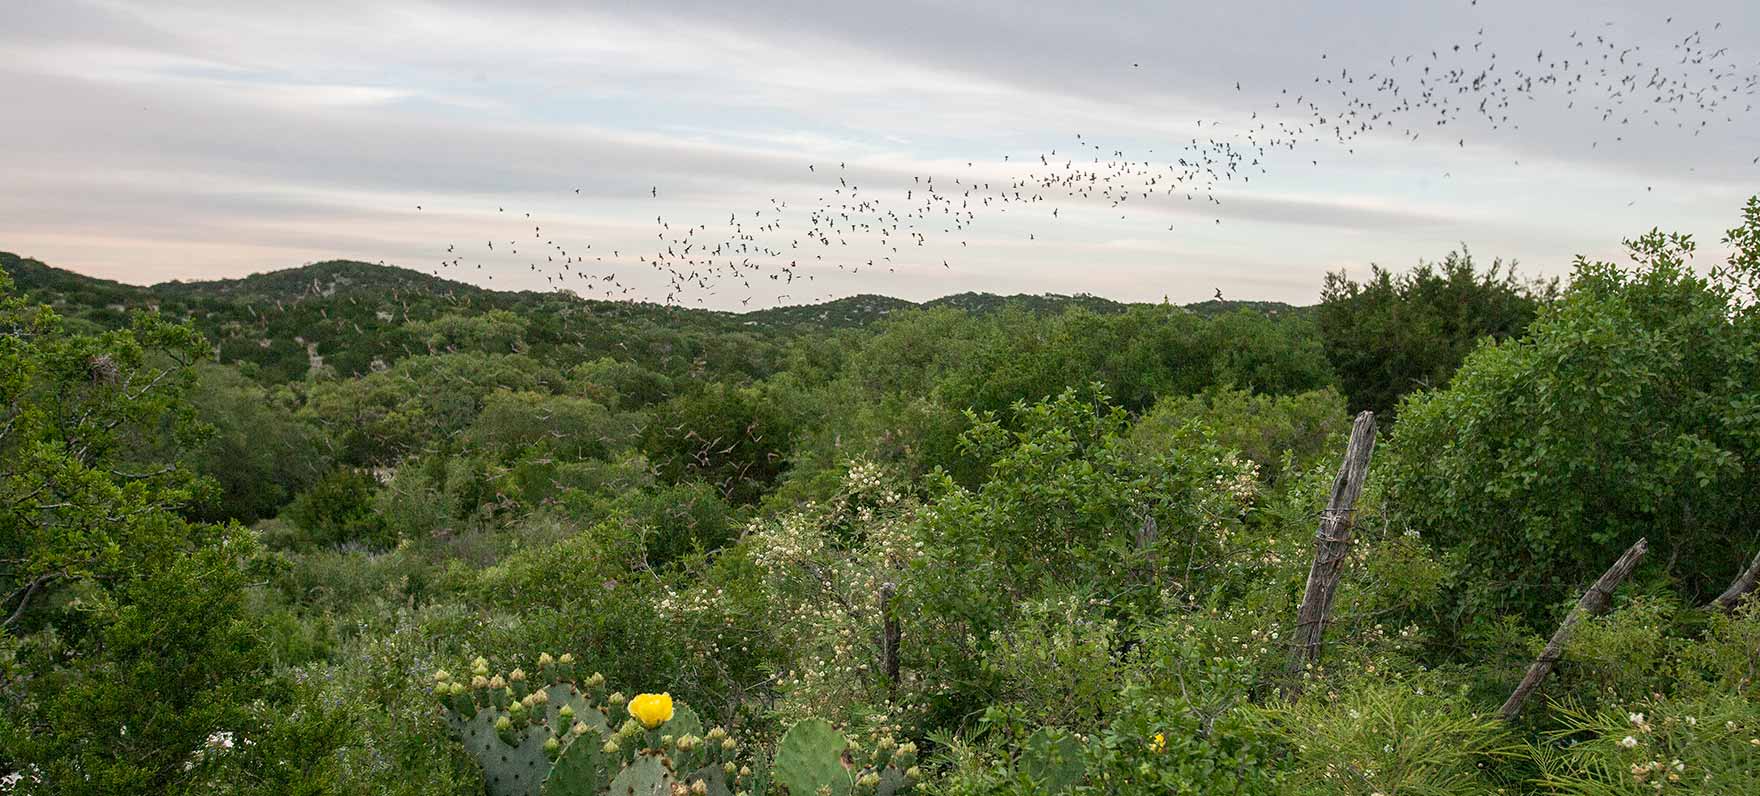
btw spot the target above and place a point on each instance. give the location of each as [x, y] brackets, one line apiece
[850, 227]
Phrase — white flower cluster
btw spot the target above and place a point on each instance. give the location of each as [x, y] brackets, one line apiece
[217, 743]
[9, 781]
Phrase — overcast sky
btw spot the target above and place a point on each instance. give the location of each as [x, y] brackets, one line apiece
[182, 140]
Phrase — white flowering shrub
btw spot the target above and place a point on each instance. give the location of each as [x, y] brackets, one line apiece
[826, 569]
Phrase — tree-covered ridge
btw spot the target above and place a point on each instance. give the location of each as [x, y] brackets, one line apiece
[353, 317]
[1046, 551]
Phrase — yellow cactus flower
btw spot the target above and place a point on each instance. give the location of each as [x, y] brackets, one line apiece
[652, 710]
[1159, 743]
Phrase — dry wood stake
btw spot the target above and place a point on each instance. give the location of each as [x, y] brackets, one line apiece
[1595, 602]
[1331, 544]
[1743, 584]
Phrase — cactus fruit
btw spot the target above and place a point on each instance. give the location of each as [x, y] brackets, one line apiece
[1053, 759]
[809, 760]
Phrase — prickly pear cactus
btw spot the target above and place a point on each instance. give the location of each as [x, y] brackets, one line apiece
[756, 777]
[684, 722]
[584, 768]
[809, 760]
[1053, 759]
[647, 776]
[509, 769]
[714, 780]
[554, 733]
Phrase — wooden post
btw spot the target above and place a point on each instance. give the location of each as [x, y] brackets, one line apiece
[1743, 584]
[889, 634]
[1595, 601]
[1331, 544]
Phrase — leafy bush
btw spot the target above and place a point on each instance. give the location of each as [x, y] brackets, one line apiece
[1389, 737]
[339, 510]
[1392, 335]
[1626, 411]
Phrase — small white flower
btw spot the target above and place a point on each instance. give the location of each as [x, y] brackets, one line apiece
[1628, 742]
[1635, 718]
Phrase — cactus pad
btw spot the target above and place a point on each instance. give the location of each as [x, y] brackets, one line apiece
[515, 770]
[583, 768]
[647, 776]
[810, 757]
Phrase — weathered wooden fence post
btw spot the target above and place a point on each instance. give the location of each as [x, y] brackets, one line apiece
[1332, 542]
[889, 634]
[1595, 601]
[1743, 584]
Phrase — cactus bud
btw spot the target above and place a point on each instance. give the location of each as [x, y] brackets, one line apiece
[907, 753]
[680, 789]
[728, 768]
[441, 676]
[552, 747]
[503, 724]
[745, 771]
[497, 683]
[579, 728]
[567, 659]
[727, 744]
[616, 700]
[665, 740]
[541, 697]
[610, 746]
[479, 681]
[716, 734]
[544, 659]
[480, 666]
[567, 713]
[869, 780]
[455, 688]
[630, 728]
[913, 773]
[824, 790]
[518, 675]
[700, 788]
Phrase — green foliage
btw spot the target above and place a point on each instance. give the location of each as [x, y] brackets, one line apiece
[1389, 737]
[1627, 411]
[1052, 759]
[728, 437]
[338, 509]
[259, 453]
[1263, 428]
[1058, 542]
[1705, 745]
[125, 646]
[1392, 335]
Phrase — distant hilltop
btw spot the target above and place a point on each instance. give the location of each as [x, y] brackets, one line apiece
[343, 279]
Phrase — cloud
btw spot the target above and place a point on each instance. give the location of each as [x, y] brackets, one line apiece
[232, 137]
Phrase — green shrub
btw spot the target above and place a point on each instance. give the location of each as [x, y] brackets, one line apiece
[338, 509]
[1626, 411]
[1382, 736]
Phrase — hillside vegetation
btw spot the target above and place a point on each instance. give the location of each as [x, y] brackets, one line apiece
[350, 529]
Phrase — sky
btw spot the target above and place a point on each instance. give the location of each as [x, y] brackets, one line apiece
[168, 140]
